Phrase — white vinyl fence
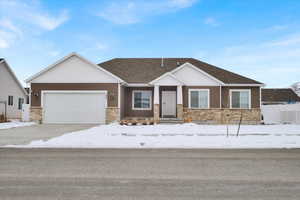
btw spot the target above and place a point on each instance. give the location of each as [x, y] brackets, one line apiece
[25, 113]
[281, 114]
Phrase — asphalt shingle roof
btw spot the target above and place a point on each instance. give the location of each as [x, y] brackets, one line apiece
[279, 95]
[144, 70]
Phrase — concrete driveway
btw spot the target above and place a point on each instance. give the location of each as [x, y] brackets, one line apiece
[24, 135]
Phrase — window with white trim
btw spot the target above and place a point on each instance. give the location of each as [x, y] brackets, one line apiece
[141, 100]
[240, 99]
[199, 98]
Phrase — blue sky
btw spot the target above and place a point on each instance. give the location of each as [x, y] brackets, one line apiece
[258, 39]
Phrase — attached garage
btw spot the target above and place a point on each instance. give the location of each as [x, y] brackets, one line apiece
[76, 107]
[74, 90]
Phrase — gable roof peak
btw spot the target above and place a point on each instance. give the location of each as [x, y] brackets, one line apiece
[66, 58]
[2, 60]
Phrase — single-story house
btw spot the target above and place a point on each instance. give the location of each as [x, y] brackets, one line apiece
[75, 90]
[12, 93]
[272, 96]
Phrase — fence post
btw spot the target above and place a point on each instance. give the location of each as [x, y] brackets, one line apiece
[238, 131]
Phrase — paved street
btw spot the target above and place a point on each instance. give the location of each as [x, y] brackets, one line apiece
[149, 174]
[24, 135]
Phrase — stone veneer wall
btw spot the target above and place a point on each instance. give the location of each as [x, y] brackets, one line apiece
[223, 116]
[214, 116]
[156, 112]
[179, 111]
[36, 113]
[112, 115]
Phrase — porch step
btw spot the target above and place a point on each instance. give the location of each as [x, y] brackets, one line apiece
[170, 121]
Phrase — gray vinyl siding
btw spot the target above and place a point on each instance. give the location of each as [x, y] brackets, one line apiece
[10, 87]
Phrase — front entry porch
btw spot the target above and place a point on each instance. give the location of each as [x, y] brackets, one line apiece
[168, 104]
[156, 104]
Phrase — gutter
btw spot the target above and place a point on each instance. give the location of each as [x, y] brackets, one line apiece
[261, 85]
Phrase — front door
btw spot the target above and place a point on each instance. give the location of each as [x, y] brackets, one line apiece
[168, 104]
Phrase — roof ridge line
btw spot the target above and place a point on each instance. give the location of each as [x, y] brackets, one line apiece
[153, 58]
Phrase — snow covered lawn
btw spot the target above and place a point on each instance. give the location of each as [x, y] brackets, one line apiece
[177, 136]
[15, 124]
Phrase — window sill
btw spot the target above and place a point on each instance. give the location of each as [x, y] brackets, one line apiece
[200, 108]
[241, 108]
[149, 109]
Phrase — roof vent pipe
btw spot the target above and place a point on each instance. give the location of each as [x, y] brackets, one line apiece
[162, 62]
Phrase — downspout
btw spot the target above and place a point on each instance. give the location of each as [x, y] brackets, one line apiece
[220, 96]
[29, 95]
[119, 100]
[260, 97]
[119, 95]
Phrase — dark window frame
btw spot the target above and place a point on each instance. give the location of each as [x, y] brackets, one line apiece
[10, 101]
[20, 103]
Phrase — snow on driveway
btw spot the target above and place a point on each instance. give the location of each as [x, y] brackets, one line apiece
[15, 124]
[177, 136]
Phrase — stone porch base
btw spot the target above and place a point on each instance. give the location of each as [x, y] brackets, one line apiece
[112, 115]
[222, 116]
[36, 114]
[179, 111]
[156, 112]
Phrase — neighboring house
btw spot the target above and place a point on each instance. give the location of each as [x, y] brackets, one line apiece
[12, 93]
[296, 88]
[272, 96]
[74, 90]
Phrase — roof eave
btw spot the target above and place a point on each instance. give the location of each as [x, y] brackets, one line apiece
[136, 84]
[245, 84]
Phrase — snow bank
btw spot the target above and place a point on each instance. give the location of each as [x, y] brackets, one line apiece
[15, 124]
[177, 136]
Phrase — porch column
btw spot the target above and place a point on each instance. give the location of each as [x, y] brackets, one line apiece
[179, 103]
[156, 103]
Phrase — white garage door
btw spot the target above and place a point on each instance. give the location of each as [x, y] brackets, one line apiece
[74, 106]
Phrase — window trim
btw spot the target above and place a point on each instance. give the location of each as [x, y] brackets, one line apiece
[240, 90]
[199, 90]
[12, 100]
[132, 100]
